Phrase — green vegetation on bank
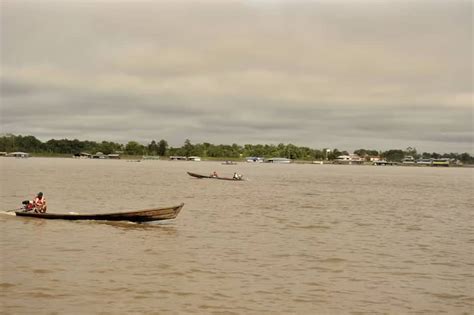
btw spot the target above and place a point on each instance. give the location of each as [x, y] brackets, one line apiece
[53, 147]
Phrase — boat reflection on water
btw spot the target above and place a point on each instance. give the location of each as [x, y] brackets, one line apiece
[167, 227]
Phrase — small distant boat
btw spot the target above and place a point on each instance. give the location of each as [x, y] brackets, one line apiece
[213, 177]
[440, 162]
[155, 214]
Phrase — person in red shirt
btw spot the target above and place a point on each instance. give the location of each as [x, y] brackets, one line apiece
[40, 203]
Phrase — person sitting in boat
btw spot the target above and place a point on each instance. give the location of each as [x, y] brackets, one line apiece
[214, 174]
[237, 176]
[40, 203]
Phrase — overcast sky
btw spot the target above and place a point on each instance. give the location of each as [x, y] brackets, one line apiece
[339, 74]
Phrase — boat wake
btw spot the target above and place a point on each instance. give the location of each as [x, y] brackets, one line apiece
[8, 213]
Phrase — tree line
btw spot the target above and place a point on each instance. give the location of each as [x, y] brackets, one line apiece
[30, 144]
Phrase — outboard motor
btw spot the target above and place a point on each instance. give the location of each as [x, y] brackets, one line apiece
[27, 205]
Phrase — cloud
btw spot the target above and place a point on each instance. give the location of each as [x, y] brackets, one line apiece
[321, 74]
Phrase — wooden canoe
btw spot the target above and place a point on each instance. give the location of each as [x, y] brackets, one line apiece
[211, 177]
[155, 214]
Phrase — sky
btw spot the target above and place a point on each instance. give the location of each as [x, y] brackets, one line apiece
[371, 74]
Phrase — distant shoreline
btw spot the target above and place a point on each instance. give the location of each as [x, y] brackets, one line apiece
[236, 160]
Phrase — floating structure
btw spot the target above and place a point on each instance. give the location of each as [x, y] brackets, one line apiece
[102, 156]
[99, 155]
[383, 163]
[278, 160]
[349, 159]
[82, 155]
[194, 158]
[426, 162]
[18, 154]
[254, 159]
[185, 158]
[440, 162]
[409, 160]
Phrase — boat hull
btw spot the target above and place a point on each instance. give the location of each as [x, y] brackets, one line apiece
[199, 175]
[147, 215]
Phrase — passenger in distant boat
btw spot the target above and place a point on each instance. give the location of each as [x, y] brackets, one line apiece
[237, 176]
[214, 174]
[40, 203]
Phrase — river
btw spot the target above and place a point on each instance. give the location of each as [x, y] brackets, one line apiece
[291, 239]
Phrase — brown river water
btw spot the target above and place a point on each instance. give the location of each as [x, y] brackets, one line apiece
[291, 239]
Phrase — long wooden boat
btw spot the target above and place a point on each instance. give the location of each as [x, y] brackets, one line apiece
[212, 177]
[155, 214]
